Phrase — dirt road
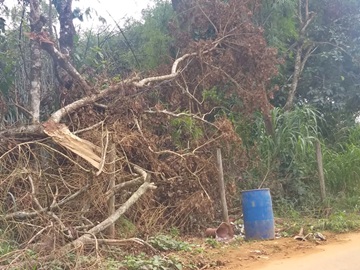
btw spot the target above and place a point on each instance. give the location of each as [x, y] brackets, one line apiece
[342, 255]
[339, 252]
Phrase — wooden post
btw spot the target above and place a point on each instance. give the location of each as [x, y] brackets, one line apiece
[222, 186]
[320, 170]
[111, 201]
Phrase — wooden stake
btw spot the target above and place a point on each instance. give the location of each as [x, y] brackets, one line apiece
[111, 201]
[320, 170]
[222, 186]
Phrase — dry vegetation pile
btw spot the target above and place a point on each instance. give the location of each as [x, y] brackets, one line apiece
[162, 130]
[50, 196]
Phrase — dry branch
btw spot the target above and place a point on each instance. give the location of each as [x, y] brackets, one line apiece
[64, 61]
[120, 186]
[21, 215]
[92, 97]
[83, 148]
[202, 119]
[116, 242]
[112, 181]
[84, 239]
[29, 130]
[104, 152]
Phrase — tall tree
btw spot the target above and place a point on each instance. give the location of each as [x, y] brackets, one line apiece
[304, 48]
[37, 21]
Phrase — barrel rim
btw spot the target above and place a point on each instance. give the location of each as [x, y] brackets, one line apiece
[257, 189]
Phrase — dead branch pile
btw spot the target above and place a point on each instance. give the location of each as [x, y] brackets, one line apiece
[51, 196]
[142, 147]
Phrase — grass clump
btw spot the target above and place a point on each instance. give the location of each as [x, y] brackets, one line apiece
[340, 222]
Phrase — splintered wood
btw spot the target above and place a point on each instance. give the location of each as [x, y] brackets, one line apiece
[61, 134]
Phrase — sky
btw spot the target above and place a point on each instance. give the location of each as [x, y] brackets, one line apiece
[118, 9]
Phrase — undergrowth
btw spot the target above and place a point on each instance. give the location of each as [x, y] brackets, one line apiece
[319, 220]
[340, 222]
[168, 243]
[144, 262]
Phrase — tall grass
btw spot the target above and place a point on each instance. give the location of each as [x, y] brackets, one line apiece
[342, 165]
[292, 143]
[286, 160]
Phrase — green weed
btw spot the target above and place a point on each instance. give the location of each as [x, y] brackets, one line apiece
[5, 247]
[339, 222]
[168, 243]
[342, 169]
[142, 262]
[212, 242]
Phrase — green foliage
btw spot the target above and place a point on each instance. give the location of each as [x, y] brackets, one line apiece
[5, 247]
[213, 95]
[174, 232]
[168, 243]
[154, 35]
[292, 143]
[7, 63]
[280, 21]
[342, 171]
[339, 222]
[212, 242]
[142, 262]
[138, 45]
[286, 208]
[126, 227]
[287, 157]
[185, 130]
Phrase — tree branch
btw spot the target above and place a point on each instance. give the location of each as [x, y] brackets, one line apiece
[21, 215]
[118, 213]
[64, 62]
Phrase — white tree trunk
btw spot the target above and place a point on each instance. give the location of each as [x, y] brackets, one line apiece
[35, 72]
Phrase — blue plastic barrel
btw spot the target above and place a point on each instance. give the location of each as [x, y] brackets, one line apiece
[258, 214]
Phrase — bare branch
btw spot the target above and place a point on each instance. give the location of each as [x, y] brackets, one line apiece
[120, 186]
[33, 193]
[29, 130]
[39, 233]
[116, 242]
[299, 11]
[307, 23]
[89, 128]
[92, 98]
[64, 62]
[182, 115]
[118, 213]
[104, 152]
[21, 215]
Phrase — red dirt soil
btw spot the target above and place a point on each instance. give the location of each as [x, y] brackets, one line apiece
[287, 253]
